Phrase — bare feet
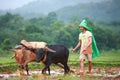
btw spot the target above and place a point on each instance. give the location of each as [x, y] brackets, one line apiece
[88, 72]
[80, 73]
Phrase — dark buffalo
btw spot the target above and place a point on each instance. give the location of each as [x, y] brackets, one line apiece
[60, 56]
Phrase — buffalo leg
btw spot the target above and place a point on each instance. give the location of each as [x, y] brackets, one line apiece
[45, 68]
[66, 68]
[60, 65]
[27, 69]
[49, 70]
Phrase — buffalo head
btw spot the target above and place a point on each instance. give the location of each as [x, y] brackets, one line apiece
[41, 53]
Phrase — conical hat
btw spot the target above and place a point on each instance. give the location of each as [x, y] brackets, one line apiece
[85, 25]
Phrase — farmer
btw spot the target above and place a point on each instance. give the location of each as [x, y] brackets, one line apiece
[87, 44]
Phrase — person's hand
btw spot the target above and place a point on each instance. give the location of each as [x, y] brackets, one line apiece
[73, 50]
[84, 49]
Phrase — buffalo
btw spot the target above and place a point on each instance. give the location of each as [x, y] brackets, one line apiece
[23, 57]
[51, 54]
[59, 57]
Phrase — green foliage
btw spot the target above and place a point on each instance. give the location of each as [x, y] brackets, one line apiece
[53, 31]
[32, 29]
[63, 37]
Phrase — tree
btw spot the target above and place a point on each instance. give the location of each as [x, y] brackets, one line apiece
[32, 29]
[63, 37]
[51, 18]
[6, 44]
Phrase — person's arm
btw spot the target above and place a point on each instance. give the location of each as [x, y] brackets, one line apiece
[77, 46]
[89, 42]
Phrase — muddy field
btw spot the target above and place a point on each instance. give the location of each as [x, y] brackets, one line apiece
[58, 74]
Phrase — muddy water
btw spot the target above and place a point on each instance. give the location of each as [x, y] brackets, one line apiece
[101, 73]
[21, 75]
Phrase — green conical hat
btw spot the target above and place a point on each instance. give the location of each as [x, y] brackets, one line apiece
[85, 25]
[95, 51]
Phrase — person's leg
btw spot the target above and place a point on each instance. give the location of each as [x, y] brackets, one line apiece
[82, 57]
[89, 66]
[89, 63]
[82, 66]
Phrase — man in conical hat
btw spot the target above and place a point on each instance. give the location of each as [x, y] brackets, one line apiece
[87, 44]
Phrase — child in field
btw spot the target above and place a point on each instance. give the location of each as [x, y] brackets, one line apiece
[87, 44]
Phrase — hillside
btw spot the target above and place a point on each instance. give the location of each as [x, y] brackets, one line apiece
[66, 10]
[40, 8]
[103, 11]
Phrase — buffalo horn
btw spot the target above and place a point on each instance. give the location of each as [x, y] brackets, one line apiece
[13, 56]
[51, 50]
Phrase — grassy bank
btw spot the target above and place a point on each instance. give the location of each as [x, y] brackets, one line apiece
[107, 59]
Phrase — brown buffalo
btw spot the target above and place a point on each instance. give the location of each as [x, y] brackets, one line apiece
[23, 57]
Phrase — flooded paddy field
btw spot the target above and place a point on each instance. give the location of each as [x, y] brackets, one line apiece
[112, 73]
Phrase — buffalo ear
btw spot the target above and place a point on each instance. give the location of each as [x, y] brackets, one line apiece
[12, 50]
[39, 50]
[39, 54]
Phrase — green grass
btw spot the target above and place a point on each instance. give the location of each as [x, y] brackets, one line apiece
[6, 60]
[107, 58]
[104, 56]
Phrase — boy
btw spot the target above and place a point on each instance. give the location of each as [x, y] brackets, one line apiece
[85, 44]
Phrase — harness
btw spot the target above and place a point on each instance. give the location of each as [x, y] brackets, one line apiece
[44, 57]
[24, 47]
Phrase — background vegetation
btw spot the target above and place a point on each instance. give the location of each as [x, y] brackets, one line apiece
[14, 28]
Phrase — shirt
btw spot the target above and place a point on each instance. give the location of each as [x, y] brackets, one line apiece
[84, 42]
